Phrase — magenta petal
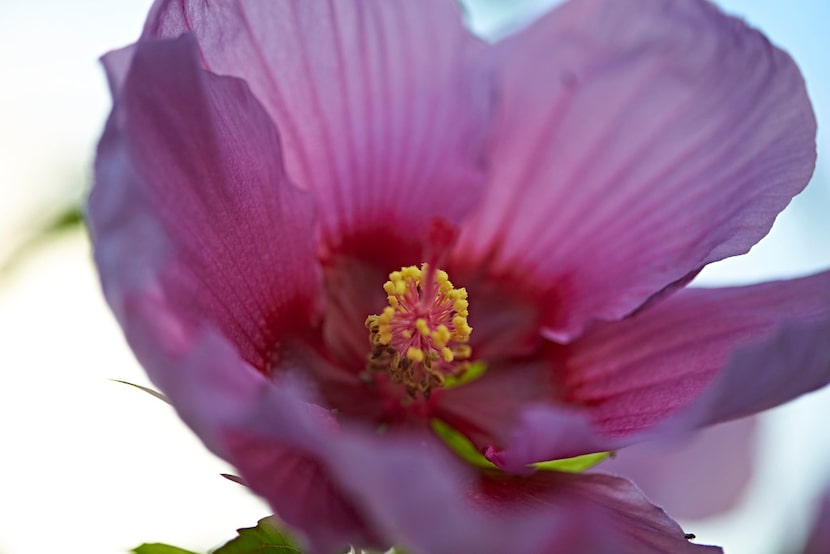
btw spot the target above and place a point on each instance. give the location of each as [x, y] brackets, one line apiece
[639, 525]
[699, 357]
[220, 397]
[603, 514]
[404, 489]
[636, 142]
[285, 469]
[200, 372]
[399, 489]
[486, 409]
[545, 432]
[765, 344]
[191, 204]
[793, 361]
[382, 105]
[302, 493]
[117, 65]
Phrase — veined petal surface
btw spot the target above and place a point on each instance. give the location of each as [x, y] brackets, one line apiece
[635, 142]
[382, 104]
[634, 373]
[407, 487]
[193, 220]
[700, 357]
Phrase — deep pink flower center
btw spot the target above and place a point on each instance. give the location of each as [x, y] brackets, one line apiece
[421, 337]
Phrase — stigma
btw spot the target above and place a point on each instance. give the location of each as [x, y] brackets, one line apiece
[421, 337]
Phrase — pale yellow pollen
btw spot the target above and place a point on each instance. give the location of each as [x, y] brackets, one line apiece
[420, 337]
[421, 325]
[461, 327]
[441, 336]
[447, 354]
[411, 272]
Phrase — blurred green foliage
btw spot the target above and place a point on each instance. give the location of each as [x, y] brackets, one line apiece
[69, 219]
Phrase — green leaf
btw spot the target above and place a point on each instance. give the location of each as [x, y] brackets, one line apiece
[574, 465]
[459, 444]
[159, 548]
[265, 538]
[473, 372]
[462, 446]
[70, 218]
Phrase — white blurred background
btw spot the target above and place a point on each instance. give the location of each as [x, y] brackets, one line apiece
[88, 465]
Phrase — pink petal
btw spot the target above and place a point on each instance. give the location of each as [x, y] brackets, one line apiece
[634, 373]
[793, 361]
[191, 205]
[299, 487]
[548, 512]
[637, 525]
[340, 485]
[548, 432]
[117, 65]
[699, 357]
[486, 409]
[200, 371]
[382, 105]
[635, 143]
[693, 477]
[411, 493]
[338, 384]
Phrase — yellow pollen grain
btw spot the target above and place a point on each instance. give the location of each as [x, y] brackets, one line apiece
[415, 354]
[441, 336]
[447, 354]
[418, 339]
[421, 326]
[400, 288]
[461, 326]
[411, 273]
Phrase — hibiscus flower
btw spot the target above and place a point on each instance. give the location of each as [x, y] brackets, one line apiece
[351, 241]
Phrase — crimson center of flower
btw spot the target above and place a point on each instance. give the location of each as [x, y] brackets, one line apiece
[420, 337]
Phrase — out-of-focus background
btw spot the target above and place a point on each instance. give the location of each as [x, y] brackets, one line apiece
[89, 465]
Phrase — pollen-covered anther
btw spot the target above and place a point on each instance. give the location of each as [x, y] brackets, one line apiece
[420, 337]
